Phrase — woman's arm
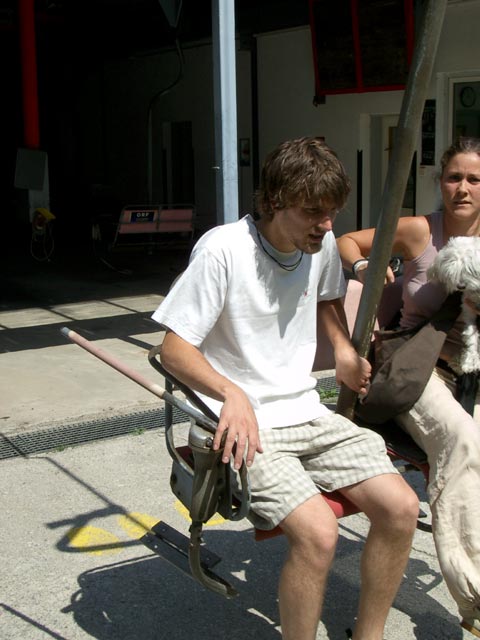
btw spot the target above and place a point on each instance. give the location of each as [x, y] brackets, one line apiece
[411, 238]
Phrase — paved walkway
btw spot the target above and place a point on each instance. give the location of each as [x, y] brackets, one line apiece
[47, 381]
[71, 517]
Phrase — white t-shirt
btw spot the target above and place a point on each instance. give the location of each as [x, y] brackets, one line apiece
[253, 321]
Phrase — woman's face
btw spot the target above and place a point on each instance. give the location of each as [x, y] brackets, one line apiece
[460, 186]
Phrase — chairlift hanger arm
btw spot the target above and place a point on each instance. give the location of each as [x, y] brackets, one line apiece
[409, 123]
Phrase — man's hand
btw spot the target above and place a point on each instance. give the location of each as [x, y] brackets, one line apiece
[187, 364]
[353, 370]
[238, 418]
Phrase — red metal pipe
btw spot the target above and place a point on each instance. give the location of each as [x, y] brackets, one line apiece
[409, 29]
[28, 54]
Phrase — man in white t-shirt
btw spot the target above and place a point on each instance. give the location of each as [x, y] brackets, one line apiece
[242, 325]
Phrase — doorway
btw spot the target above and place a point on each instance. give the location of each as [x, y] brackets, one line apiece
[382, 130]
[389, 129]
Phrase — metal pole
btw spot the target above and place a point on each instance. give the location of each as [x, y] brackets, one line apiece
[140, 379]
[225, 99]
[406, 137]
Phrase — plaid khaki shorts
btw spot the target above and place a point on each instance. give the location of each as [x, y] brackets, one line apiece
[299, 461]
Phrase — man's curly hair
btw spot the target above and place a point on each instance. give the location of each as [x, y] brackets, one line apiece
[303, 172]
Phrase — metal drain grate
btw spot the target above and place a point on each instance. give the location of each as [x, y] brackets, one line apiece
[41, 441]
[82, 432]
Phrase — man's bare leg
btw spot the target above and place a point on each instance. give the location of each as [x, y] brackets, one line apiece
[312, 533]
[392, 507]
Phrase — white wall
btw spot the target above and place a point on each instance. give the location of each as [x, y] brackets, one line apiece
[287, 87]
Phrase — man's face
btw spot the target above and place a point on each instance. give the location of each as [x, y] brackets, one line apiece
[301, 228]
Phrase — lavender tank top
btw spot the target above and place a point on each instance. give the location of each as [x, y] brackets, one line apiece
[420, 297]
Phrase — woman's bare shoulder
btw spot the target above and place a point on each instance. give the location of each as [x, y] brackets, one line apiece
[412, 236]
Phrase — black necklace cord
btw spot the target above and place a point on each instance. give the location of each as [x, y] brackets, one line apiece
[285, 267]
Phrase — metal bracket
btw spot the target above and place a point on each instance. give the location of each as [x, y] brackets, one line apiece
[188, 555]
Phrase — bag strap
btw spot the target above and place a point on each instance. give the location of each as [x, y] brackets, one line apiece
[445, 317]
[400, 379]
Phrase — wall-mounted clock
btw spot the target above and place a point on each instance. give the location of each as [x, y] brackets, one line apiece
[468, 96]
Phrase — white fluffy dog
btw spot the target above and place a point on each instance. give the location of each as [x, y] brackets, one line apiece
[457, 266]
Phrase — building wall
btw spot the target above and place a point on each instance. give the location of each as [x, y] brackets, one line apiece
[130, 87]
[118, 94]
[115, 105]
[286, 89]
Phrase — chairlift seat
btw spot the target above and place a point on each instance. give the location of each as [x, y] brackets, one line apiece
[207, 487]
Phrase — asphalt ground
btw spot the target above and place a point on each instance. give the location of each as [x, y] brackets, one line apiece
[72, 515]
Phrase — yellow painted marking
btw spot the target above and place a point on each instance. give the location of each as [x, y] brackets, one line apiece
[88, 538]
[136, 524]
[216, 519]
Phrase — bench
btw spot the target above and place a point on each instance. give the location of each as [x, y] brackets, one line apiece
[155, 224]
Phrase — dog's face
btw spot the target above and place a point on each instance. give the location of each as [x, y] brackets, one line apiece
[457, 267]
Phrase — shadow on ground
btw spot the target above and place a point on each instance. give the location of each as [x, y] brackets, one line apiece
[81, 278]
[148, 598]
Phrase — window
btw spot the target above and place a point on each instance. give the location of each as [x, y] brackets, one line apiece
[466, 109]
[361, 45]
